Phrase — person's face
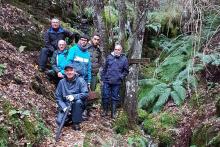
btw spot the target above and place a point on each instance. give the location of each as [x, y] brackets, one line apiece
[83, 42]
[55, 23]
[70, 73]
[62, 45]
[95, 40]
[117, 50]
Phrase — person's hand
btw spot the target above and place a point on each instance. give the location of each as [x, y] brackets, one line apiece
[60, 75]
[64, 109]
[70, 97]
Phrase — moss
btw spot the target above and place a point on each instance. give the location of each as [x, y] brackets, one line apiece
[159, 126]
[121, 124]
[3, 136]
[137, 140]
[142, 115]
[29, 130]
[207, 134]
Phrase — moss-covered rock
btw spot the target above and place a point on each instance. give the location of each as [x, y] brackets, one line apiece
[207, 134]
[160, 127]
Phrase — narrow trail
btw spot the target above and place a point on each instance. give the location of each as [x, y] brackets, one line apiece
[25, 87]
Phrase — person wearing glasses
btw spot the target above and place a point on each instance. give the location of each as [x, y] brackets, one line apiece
[114, 71]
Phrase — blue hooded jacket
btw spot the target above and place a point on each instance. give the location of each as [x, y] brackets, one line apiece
[76, 87]
[115, 69]
[59, 60]
[81, 61]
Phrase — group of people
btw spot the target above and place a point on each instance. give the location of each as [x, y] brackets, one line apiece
[75, 71]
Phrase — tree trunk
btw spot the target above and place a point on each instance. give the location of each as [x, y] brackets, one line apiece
[99, 24]
[122, 21]
[136, 42]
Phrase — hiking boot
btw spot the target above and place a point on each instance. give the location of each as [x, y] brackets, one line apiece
[76, 127]
[114, 111]
[104, 112]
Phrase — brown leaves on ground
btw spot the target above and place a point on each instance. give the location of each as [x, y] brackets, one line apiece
[16, 85]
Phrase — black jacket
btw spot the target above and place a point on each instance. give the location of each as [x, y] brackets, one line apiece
[96, 58]
[51, 37]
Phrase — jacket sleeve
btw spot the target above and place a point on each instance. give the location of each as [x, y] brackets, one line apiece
[89, 71]
[70, 35]
[70, 55]
[47, 42]
[83, 90]
[125, 70]
[59, 97]
[54, 62]
[104, 69]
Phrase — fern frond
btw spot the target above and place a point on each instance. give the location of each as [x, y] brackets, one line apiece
[177, 100]
[180, 91]
[151, 81]
[152, 95]
[162, 100]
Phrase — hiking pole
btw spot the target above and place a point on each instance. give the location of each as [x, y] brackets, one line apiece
[62, 122]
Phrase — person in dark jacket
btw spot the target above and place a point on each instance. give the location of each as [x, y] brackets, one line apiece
[71, 88]
[51, 38]
[96, 59]
[114, 71]
[58, 62]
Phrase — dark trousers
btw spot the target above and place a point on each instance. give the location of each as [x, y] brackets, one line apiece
[110, 93]
[93, 82]
[44, 54]
[76, 113]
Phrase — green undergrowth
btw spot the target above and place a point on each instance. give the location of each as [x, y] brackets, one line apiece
[160, 126]
[21, 124]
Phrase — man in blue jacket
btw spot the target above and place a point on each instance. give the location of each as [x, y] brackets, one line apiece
[71, 88]
[114, 71]
[51, 38]
[79, 57]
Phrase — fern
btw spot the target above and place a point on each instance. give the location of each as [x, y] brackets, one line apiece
[162, 100]
[152, 95]
[177, 100]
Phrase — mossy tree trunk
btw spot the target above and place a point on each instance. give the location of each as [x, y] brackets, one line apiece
[136, 42]
[98, 20]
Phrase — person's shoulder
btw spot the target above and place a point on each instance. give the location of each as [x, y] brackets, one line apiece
[80, 79]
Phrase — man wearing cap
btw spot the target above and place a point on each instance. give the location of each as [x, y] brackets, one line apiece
[79, 57]
[72, 88]
[51, 38]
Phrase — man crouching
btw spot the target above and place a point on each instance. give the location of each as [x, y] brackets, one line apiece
[71, 89]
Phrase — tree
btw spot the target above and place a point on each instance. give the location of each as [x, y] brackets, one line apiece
[135, 43]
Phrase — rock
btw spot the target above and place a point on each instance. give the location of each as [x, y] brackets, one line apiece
[19, 28]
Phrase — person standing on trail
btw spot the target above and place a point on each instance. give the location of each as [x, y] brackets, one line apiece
[58, 62]
[51, 38]
[72, 88]
[79, 57]
[96, 59]
[114, 71]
